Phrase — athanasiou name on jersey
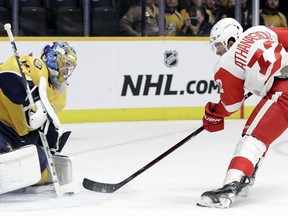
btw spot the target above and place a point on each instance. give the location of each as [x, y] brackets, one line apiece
[245, 44]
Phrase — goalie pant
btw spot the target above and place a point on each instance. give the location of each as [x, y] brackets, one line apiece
[9, 140]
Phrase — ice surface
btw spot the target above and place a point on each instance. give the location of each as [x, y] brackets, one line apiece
[110, 152]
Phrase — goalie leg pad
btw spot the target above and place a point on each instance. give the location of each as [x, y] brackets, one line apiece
[64, 169]
[67, 181]
[19, 168]
[66, 174]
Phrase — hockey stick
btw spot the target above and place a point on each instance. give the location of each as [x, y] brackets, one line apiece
[51, 164]
[110, 188]
[7, 27]
[44, 141]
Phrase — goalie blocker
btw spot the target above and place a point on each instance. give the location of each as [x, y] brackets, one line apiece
[20, 169]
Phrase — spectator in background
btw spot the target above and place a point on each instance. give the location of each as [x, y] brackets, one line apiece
[173, 19]
[185, 11]
[246, 17]
[2, 30]
[246, 12]
[210, 10]
[197, 3]
[215, 11]
[131, 23]
[220, 7]
[197, 24]
[123, 6]
[184, 4]
[271, 14]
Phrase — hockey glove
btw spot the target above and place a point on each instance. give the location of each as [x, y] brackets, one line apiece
[211, 121]
[62, 138]
[37, 118]
[56, 138]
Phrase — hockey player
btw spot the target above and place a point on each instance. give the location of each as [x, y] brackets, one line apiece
[256, 61]
[19, 122]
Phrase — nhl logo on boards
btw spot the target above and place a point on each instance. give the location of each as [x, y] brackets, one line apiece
[171, 58]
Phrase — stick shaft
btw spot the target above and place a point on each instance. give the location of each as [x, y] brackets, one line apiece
[7, 27]
[51, 164]
[110, 188]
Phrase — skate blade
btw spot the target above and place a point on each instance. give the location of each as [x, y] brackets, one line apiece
[217, 203]
[244, 192]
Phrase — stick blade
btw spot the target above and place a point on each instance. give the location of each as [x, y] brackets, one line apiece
[99, 186]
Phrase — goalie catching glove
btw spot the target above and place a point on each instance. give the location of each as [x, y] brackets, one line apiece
[211, 121]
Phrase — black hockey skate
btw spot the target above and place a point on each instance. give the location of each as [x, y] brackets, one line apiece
[244, 192]
[223, 197]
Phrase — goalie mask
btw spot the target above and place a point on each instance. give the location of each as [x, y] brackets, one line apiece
[223, 31]
[60, 58]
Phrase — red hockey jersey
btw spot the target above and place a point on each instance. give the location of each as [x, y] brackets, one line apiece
[251, 64]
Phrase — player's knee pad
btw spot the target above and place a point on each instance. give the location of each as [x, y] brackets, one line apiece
[251, 148]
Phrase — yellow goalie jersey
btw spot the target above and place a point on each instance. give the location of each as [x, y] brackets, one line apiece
[13, 97]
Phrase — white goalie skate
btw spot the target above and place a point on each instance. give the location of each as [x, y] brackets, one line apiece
[225, 196]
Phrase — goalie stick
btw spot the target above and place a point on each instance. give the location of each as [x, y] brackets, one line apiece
[44, 141]
[7, 27]
[110, 188]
